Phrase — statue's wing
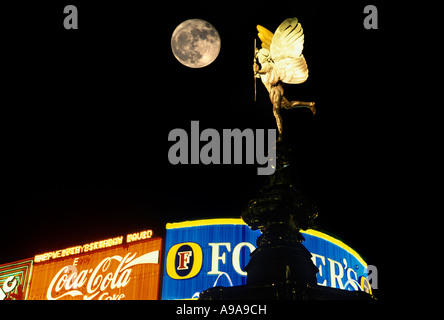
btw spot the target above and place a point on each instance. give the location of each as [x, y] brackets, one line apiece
[266, 36]
[286, 51]
[292, 70]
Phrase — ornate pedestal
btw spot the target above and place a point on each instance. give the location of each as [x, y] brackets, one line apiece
[280, 268]
[280, 211]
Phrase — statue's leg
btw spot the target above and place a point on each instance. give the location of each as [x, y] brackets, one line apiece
[298, 104]
[276, 95]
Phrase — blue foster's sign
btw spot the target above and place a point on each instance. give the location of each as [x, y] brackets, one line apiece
[205, 253]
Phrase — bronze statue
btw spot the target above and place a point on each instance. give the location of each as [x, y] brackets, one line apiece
[282, 61]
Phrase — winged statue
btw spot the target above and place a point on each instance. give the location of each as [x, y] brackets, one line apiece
[282, 61]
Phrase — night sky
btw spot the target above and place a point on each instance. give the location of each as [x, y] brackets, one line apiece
[88, 112]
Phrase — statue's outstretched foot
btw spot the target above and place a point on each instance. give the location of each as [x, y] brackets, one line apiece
[300, 104]
[312, 108]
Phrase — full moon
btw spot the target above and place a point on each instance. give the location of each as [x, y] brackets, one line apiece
[195, 43]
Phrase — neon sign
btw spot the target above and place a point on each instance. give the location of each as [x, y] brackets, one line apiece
[8, 286]
[206, 253]
[98, 281]
[97, 245]
[339, 265]
[139, 236]
[14, 279]
[129, 271]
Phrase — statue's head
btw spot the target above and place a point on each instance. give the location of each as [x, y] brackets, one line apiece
[263, 55]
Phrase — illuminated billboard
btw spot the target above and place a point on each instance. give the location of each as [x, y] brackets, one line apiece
[14, 279]
[339, 265]
[112, 269]
[206, 253]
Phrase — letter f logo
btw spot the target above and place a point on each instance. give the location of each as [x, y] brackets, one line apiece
[184, 259]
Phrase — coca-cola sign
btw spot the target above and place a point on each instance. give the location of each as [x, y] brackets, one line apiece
[113, 274]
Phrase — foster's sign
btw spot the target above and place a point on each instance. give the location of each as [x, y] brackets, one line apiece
[206, 253]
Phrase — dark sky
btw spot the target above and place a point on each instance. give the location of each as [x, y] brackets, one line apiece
[88, 112]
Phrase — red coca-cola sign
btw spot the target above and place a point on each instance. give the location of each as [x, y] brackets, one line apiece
[128, 271]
